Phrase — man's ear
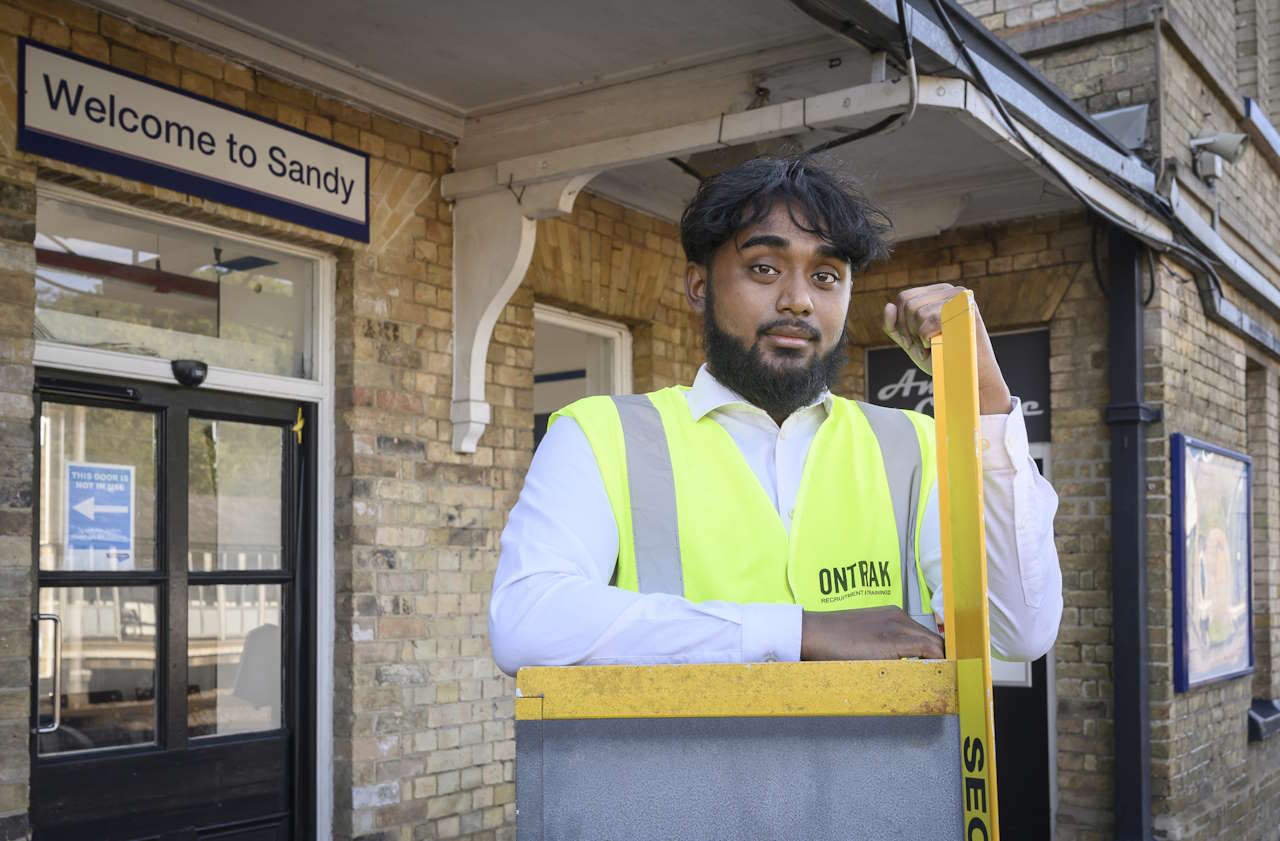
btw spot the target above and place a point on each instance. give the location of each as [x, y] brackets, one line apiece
[695, 287]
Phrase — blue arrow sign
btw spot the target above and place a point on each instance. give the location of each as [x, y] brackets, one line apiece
[99, 516]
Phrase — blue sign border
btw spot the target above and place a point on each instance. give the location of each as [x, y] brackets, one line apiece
[1178, 445]
[95, 157]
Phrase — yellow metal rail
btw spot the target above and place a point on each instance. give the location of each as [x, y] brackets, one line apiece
[868, 687]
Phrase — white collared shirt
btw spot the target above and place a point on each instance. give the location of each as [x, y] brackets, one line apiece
[552, 604]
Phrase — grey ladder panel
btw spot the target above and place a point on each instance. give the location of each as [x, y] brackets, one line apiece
[728, 779]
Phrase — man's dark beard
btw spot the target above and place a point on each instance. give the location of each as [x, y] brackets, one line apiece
[777, 390]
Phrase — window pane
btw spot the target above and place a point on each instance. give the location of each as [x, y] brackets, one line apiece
[97, 488]
[112, 281]
[234, 495]
[234, 677]
[108, 667]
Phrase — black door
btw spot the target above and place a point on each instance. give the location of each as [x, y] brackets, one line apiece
[173, 548]
[1022, 755]
[1022, 751]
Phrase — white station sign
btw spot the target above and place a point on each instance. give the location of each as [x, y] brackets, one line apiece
[88, 114]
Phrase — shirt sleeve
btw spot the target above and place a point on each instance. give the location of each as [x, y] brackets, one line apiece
[1024, 581]
[552, 604]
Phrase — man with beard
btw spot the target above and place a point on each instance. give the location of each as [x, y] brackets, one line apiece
[756, 516]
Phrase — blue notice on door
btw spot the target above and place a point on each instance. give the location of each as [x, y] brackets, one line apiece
[99, 516]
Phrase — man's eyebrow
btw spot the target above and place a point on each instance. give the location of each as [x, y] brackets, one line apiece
[774, 241]
[768, 240]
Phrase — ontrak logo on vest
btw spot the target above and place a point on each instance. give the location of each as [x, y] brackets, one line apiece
[864, 578]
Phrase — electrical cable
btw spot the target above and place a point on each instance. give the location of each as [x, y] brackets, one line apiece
[891, 123]
[905, 31]
[875, 128]
[1165, 246]
[1161, 245]
[1148, 252]
[894, 121]
[1093, 256]
[1151, 270]
[688, 170]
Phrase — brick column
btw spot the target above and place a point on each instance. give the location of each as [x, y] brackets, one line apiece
[17, 313]
[1081, 466]
[1263, 424]
[1252, 47]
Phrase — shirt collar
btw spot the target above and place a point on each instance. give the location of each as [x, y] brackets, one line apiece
[709, 394]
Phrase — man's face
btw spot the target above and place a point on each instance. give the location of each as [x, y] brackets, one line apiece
[775, 320]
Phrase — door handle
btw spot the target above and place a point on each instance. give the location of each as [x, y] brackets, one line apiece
[57, 670]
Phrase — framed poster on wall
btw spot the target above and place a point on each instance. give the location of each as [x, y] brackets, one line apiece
[1212, 567]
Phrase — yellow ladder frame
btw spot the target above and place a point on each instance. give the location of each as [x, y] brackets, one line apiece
[964, 557]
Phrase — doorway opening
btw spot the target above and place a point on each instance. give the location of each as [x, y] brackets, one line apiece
[182, 532]
[575, 356]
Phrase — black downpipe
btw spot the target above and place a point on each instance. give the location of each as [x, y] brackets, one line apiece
[1128, 418]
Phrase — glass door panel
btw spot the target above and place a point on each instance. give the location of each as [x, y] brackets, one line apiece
[98, 660]
[97, 489]
[237, 474]
[235, 501]
[235, 684]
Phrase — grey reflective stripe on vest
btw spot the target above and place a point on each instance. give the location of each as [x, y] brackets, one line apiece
[900, 449]
[651, 483]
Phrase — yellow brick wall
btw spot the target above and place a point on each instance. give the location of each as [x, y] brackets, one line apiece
[1004, 15]
[1262, 397]
[1250, 189]
[1208, 781]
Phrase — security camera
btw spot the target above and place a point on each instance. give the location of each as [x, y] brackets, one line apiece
[189, 372]
[1209, 151]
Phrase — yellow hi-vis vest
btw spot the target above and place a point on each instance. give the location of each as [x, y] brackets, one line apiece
[694, 521]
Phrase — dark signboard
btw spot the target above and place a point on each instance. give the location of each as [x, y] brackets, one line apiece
[893, 380]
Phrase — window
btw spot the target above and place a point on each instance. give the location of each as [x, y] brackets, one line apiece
[115, 281]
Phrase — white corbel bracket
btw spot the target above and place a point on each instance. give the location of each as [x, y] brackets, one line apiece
[493, 237]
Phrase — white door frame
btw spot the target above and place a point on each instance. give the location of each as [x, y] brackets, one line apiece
[1044, 451]
[319, 390]
[612, 330]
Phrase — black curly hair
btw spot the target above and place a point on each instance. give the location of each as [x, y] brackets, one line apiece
[821, 203]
